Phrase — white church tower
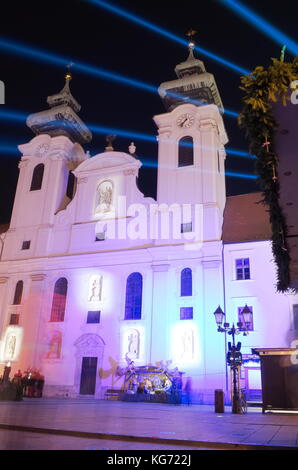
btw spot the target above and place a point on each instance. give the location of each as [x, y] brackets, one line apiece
[191, 138]
[46, 184]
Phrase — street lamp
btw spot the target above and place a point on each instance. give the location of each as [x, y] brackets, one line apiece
[234, 357]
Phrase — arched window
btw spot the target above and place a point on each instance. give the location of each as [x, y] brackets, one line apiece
[59, 300]
[185, 151]
[17, 300]
[70, 185]
[133, 301]
[37, 177]
[186, 282]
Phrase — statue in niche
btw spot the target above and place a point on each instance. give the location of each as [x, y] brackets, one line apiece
[133, 349]
[55, 346]
[104, 197]
[95, 289]
[10, 346]
[187, 344]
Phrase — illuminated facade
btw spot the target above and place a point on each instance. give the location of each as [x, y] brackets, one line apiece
[89, 278]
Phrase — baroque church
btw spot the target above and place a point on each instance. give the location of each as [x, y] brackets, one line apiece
[93, 274]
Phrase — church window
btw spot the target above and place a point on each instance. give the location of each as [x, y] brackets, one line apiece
[295, 317]
[14, 319]
[133, 301]
[26, 245]
[59, 300]
[93, 316]
[250, 326]
[242, 269]
[186, 282]
[186, 313]
[70, 185]
[17, 300]
[185, 228]
[185, 151]
[37, 177]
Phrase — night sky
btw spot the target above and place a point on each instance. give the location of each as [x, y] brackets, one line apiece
[82, 32]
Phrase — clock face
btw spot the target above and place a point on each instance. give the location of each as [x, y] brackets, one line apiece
[185, 120]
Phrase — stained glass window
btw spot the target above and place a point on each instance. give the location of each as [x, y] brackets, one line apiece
[59, 300]
[186, 282]
[133, 301]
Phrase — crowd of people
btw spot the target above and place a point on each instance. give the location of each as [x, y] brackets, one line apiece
[30, 384]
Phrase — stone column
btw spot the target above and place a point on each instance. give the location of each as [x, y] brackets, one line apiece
[3, 302]
[31, 320]
[159, 341]
[214, 342]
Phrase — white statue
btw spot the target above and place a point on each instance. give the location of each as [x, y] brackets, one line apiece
[104, 197]
[187, 344]
[10, 346]
[133, 344]
[95, 289]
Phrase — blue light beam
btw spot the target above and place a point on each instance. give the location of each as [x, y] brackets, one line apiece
[48, 57]
[163, 32]
[259, 23]
[20, 117]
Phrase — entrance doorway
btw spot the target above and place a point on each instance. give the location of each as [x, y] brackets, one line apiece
[88, 376]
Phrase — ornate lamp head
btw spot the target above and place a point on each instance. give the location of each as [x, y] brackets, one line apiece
[219, 316]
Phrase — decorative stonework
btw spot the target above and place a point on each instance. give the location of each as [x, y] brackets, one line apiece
[133, 343]
[54, 345]
[42, 150]
[207, 124]
[95, 288]
[88, 345]
[82, 180]
[23, 163]
[209, 264]
[38, 277]
[104, 197]
[131, 172]
[160, 267]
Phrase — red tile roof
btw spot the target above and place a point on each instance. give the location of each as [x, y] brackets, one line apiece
[4, 228]
[245, 219]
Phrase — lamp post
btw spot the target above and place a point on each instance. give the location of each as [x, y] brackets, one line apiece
[234, 357]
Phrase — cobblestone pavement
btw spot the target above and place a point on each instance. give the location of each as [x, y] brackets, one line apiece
[127, 424]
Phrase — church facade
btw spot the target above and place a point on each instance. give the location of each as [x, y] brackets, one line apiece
[93, 274]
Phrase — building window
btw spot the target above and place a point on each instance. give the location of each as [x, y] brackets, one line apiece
[295, 317]
[71, 183]
[59, 300]
[26, 245]
[93, 316]
[242, 269]
[185, 151]
[186, 282]
[250, 326]
[100, 237]
[186, 313]
[17, 299]
[133, 301]
[37, 177]
[14, 319]
[185, 228]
